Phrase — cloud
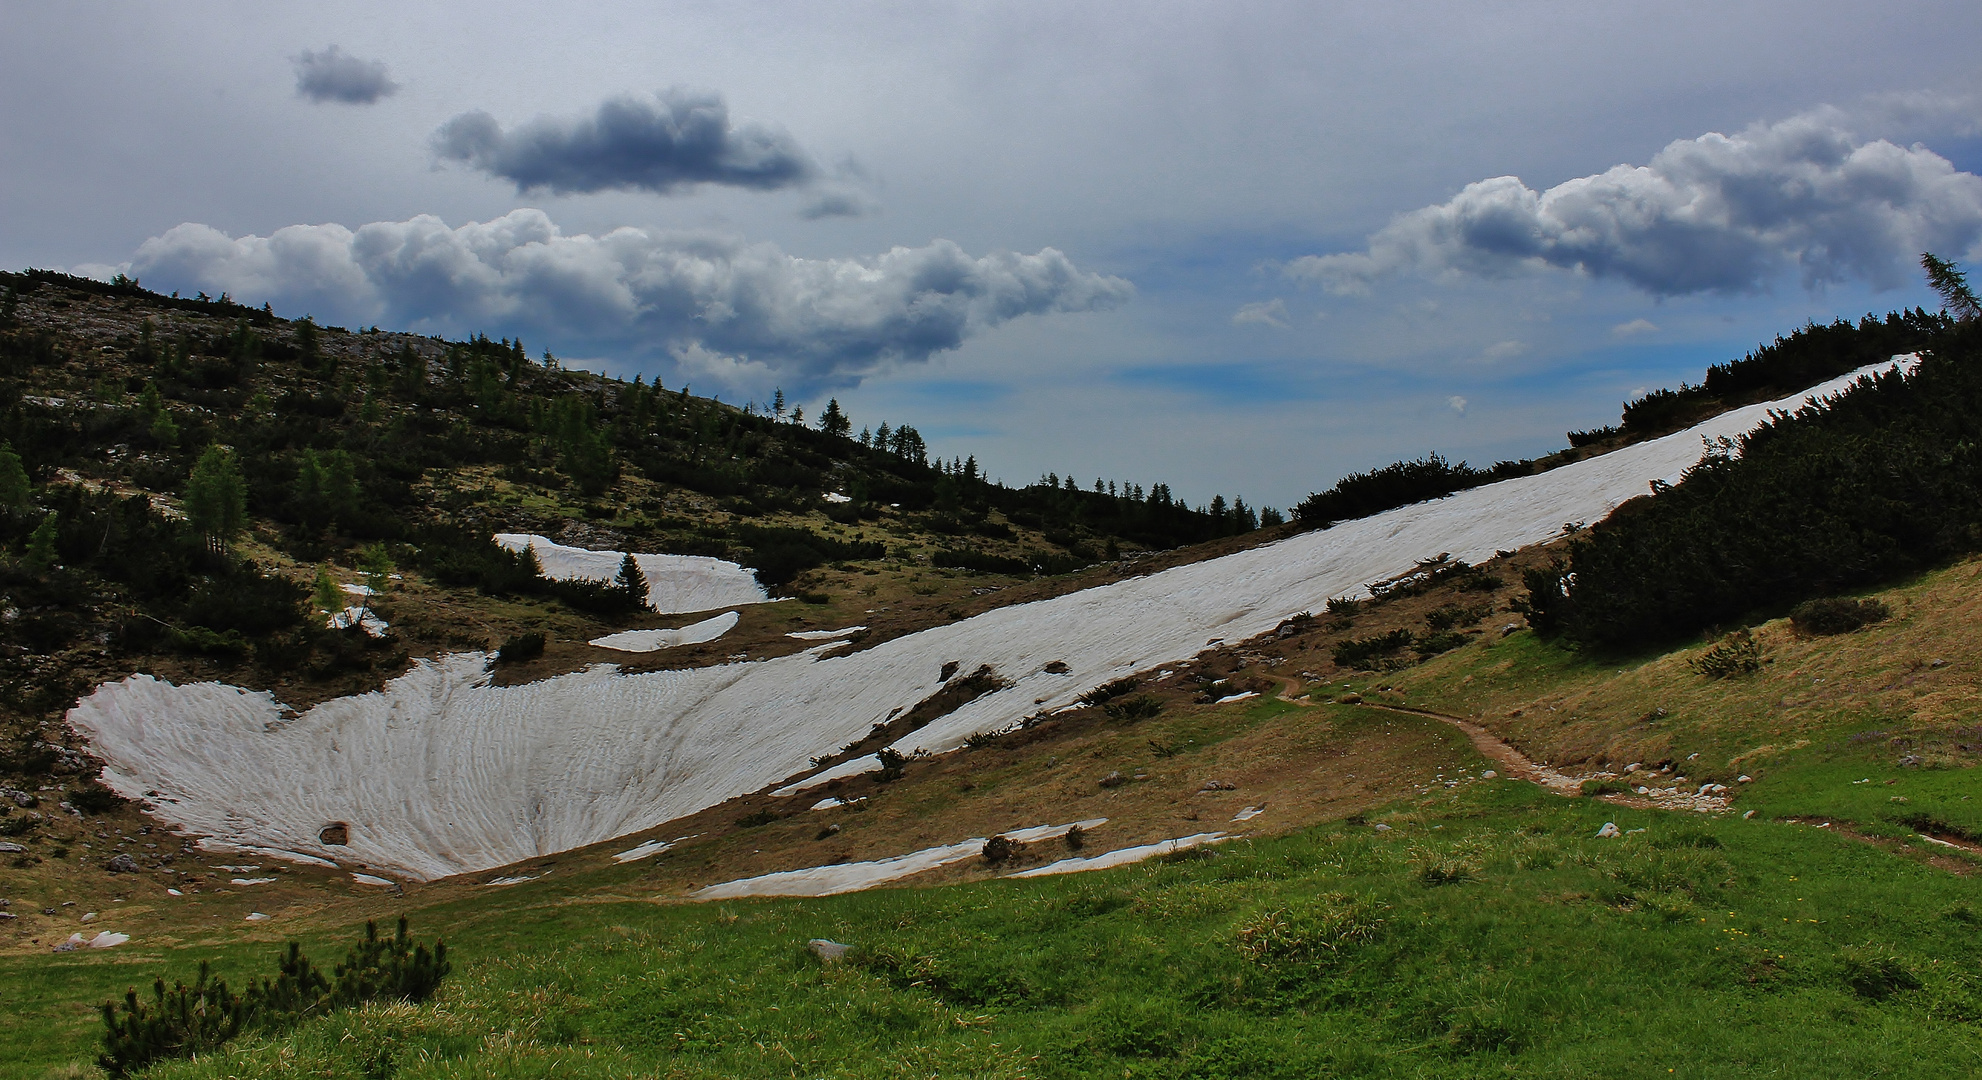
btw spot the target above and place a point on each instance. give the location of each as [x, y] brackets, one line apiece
[1716, 214]
[838, 204]
[1263, 313]
[1457, 404]
[712, 302]
[1502, 350]
[658, 143]
[1633, 328]
[335, 75]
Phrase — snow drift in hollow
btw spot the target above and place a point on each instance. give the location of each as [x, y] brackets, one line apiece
[441, 773]
[675, 583]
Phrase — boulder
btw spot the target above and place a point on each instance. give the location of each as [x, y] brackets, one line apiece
[828, 951]
[121, 864]
[1218, 785]
[1609, 829]
[1114, 779]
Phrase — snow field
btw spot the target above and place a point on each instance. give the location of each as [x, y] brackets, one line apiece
[675, 583]
[440, 773]
[1123, 856]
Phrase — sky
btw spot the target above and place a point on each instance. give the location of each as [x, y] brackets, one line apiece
[1240, 249]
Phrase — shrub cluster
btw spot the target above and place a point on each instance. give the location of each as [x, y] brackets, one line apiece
[188, 1020]
[1883, 480]
[1836, 615]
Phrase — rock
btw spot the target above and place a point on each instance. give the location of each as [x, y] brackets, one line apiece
[1609, 829]
[1909, 761]
[256, 916]
[1349, 699]
[1634, 767]
[830, 830]
[121, 864]
[1744, 778]
[19, 798]
[829, 951]
[89, 916]
[1510, 628]
[1218, 785]
[1748, 814]
[10, 848]
[1381, 827]
[1937, 662]
[1114, 779]
[75, 942]
[1711, 788]
[1488, 775]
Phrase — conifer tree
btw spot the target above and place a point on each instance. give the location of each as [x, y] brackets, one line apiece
[325, 594]
[15, 490]
[41, 553]
[631, 582]
[1944, 277]
[216, 499]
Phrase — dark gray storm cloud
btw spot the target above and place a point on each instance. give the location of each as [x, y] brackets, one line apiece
[715, 304]
[659, 143]
[335, 75]
[1716, 214]
[837, 204]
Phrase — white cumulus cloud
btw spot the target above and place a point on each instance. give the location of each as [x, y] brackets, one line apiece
[1716, 214]
[1263, 313]
[1457, 404]
[1634, 328]
[707, 301]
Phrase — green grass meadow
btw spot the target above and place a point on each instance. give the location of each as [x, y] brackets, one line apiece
[1485, 932]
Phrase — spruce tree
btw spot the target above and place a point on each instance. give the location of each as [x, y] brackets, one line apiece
[631, 582]
[15, 489]
[41, 553]
[216, 499]
[1944, 277]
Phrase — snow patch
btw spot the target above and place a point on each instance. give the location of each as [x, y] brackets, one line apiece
[1124, 856]
[824, 635]
[675, 583]
[852, 877]
[650, 640]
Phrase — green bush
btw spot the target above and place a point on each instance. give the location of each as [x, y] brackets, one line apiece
[1737, 654]
[1140, 707]
[1360, 653]
[521, 648]
[189, 1020]
[1836, 615]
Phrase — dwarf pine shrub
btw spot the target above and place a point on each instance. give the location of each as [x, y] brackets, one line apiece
[1836, 615]
[1737, 654]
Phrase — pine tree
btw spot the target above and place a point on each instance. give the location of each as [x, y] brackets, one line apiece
[216, 499]
[778, 403]
[325, 594]
[833, 421]
[376, 564]
[15, 490]
[41, 553]
[1944, 277]
[631, 582]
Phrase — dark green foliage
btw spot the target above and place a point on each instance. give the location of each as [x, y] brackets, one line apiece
[521, 648]
[1876, 971]
[216, 498]
[1129, 710]
[389, 969]
[191, 1020]
[632, 582]
[94, 799]
[1594, 435]
[181, 1022]
[1360, 654]
[1430, 477]
[1836, 615]
[780, 554]
[756, 819]
[1441, 641]
[1885, 480]
[245, 601]
[1736, 654]
[893, 765]
[1109, 691]
[1945, 278]
[982, 563]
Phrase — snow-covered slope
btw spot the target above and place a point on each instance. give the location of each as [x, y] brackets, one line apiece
[675, 583]
[441, 773]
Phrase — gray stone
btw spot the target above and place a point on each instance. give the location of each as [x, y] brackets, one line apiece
[10, 848]
[1218, 785]
[121, 864]
[829, 951]
[1609, 829]
[1381, 827]
[1488, 775]
[1114, 779]
[1747, 814]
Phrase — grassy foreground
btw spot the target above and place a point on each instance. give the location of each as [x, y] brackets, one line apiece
[1486, 931]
